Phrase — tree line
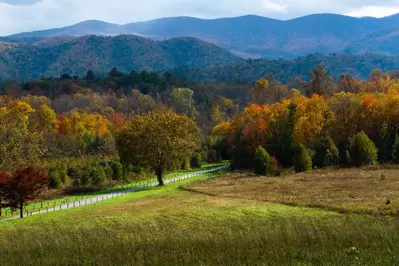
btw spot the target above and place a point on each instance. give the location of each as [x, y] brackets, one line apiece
[349, 123]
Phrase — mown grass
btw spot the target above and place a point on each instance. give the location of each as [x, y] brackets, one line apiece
[169, 226]
[364, 190]
[56, 202]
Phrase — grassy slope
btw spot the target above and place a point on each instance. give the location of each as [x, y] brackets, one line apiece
[168, 226]
[42, 205]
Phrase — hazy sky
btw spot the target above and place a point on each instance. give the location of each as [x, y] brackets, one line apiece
[26, 15]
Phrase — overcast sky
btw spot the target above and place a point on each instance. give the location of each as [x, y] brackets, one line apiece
[26, 15]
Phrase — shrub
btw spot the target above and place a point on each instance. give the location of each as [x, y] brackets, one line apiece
[186, 164]
[85, 176]
[175, 165]
[362, 150]
[261, 161]
[212, 156]
[117, 170]
[55, 178]
[97, 175]
[302, 160]
[273, 167]
[109, 173]
[74, 173]
[347, 158]
[395, 150]
[196, 161]
[128, 168]
[63, 172]
[326, 153]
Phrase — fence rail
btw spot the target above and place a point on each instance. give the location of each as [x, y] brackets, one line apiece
[107, 196]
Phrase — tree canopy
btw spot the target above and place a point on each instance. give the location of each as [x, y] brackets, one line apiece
[156, 140]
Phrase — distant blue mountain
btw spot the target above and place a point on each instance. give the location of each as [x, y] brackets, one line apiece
[250, 36]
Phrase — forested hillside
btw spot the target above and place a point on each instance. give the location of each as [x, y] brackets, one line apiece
[286, 70]
[75, 56]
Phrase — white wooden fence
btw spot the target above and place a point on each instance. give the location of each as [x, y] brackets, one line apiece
[103, 197]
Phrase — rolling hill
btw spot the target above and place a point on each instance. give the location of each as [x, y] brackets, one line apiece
[75, 56]
[384, 41]
[247, 36]
[285, 70]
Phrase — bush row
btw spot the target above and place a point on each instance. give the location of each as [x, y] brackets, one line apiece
[361, 151]
[99, 172]
[88, 174]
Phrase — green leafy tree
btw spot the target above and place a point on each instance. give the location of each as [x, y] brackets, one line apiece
[362, 150]
[183, 101]
[117, 170]
[326, 153]
[97, 175]
[303, 159]
[157, 140]
[185, 165]
[55, 178]
[261, 161]
[197, 160]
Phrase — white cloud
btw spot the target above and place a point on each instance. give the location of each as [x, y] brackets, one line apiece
[374, 11]
[272, 6]
[27, 15]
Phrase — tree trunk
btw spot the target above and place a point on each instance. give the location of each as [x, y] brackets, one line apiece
[21, 209]
[159, 174]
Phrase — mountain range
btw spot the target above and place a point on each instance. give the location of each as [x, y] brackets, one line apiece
[254, 36]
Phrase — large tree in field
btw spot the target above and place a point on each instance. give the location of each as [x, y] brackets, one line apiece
[26, 184]
[156, 140]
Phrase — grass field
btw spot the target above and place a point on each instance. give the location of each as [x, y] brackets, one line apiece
[172, 226]
[364, 190]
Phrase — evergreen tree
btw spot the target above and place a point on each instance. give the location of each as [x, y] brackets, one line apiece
[362, 150]
[302, 160]
[261, 161]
